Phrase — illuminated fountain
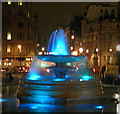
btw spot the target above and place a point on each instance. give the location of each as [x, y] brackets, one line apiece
[58, 78]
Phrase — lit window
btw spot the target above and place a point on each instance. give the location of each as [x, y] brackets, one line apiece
[118, 48]
[9, 3]
[28, 14]
[110, 61]
[8, 48]
[20, 3]
[9, 36]
[74, 53]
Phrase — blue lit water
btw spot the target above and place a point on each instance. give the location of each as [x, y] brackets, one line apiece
[58, 44]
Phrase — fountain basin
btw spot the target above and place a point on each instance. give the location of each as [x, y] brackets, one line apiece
[59, 93]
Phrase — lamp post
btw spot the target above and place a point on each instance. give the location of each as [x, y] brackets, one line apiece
[19, 48]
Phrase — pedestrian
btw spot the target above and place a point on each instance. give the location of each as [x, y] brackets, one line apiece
[10, 77]
[7, 75]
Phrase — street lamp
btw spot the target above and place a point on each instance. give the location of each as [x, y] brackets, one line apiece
[110, 50]
[87, 51]
[71, 48]
[19, 48]
[96, 50]
[43, 49]
[72, 37]
[80, 50]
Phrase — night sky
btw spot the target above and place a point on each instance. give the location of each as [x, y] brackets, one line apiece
[53, 14]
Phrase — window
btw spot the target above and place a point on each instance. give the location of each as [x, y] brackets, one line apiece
[110, 60]
[20, 36]
[112, 10]
[91, 29]
[110, 36]
[10, 12]
[28, 25]
[101, 10]
[28, 36]
[20, 25]
[117, 26]
[9, 24]
[20, 13]
[28, 49]
[8, 48]
[9, 36]
[19, 3]
[9, 3]
[28, 14]
[104, 58]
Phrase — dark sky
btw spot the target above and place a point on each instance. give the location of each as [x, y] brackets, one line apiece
[53, 14]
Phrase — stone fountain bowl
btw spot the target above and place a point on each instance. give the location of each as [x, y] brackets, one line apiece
[60, 58]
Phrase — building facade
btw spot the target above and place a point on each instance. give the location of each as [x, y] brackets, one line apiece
[100, 34]
[19, 34]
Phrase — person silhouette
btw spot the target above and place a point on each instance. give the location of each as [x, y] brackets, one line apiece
[10, 78]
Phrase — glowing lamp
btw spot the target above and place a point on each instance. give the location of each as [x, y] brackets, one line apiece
[87, 51]
[72, 37]
[71, 48]
[94, 70]
[110, 49]
[23, 68]
[81, 50]
[43, 49]
[96, 49]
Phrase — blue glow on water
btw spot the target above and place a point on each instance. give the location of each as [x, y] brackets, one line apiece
[58, 43]
[34, 107]
[43, 59]
[59, 79]
[67, 76]
[34, 76]
[86, 78]
[99, 107]
[3, 100]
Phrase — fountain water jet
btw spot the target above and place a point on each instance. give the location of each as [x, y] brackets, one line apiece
[58, 44]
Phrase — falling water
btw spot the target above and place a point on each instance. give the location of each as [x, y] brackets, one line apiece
[58, 44]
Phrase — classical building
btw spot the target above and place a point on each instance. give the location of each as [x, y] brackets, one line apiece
[100, 34]
[19, 34]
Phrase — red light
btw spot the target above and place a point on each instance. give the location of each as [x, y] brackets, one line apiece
[6, 59]
[23, 68]
[93, 69]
